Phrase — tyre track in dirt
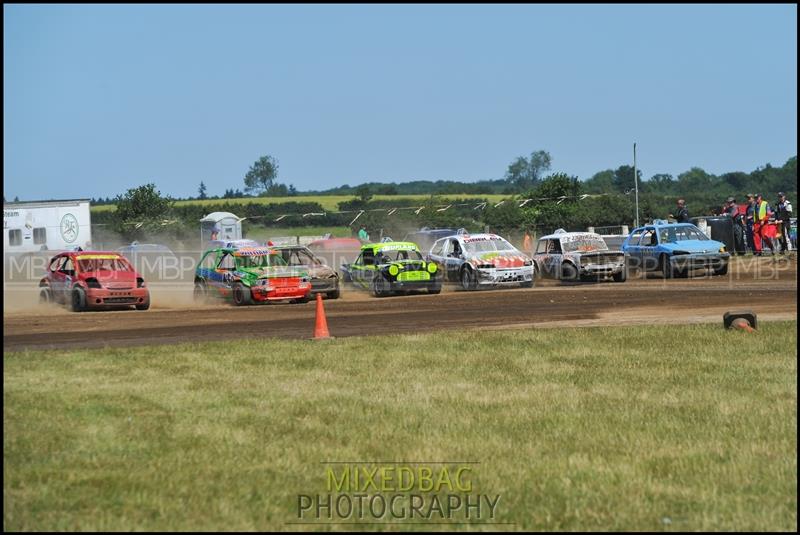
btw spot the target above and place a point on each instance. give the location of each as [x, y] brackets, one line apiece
[641, 300]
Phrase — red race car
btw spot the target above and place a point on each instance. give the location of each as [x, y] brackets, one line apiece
[93, 279]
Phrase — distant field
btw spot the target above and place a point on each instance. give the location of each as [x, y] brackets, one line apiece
[686, 428]
[328, 202]
[259, 233]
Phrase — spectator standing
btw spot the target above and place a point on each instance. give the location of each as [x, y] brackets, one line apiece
[750, 223]
[527, 243]
[761, 213]
[732, 210]
[362, 234]
[682, 214]
[783, 215]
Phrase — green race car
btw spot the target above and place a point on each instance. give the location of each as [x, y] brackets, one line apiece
[393, 267]
[249, 274]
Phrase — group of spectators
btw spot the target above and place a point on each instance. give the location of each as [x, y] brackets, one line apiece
[758, 226]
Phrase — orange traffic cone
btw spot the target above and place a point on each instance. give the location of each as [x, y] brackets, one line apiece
[743, 324]
[321, 327]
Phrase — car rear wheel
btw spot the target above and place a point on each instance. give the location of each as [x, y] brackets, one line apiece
[335, 294]
[622, 276]
[78, 300]
[143, 306]
[469, 280]
[722, 270]
[241, 295]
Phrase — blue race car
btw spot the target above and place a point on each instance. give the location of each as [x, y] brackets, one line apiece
[674, 249]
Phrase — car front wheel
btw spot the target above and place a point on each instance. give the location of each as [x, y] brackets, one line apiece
[241, 295]
[569, 272]
[665, 266]
[379, 286]
[200, 293]
[45, 296]
[469, 280]
[78, 300]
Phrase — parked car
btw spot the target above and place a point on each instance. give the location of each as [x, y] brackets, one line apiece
[426, 237]
[335, 251]
[249, 274]
[477, 260]
[572, 256]
[674, 249]
[152, 260]
[233, 244]
[93, 279]
[392, 267]
[324, 279]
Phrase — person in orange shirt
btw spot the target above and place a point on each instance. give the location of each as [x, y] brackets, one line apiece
[761, 213]
[527, 243]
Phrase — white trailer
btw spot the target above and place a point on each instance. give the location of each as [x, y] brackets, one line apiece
[46, 226]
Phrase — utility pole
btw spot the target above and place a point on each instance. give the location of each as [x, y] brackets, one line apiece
[636, 187]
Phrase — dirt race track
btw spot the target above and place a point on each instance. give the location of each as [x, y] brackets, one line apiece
[767, 286]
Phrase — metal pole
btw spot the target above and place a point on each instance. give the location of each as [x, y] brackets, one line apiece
[636, 186]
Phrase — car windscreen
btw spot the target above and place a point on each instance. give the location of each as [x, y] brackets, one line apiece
[402, 254]
[103, 264]
[260, 261]
[676, 234]
[488, 245]
[583, 244]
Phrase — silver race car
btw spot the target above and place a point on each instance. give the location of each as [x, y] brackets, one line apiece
[481, 260]
[574, 256]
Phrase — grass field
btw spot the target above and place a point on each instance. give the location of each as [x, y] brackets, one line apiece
[328, 202]
[651, 428]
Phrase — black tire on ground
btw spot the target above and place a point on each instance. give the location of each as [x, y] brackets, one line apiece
[45, 296]
[335, 294]
[241, 294]
[144, 306]
[78, 300]
[302, 300]
[435, 288]
[379, 286]
[722, 270]
[622, 276]
[200, 293]
[665, 266]
[569, 272]
[469, 280]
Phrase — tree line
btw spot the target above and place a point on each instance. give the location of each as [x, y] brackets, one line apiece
[560, 201]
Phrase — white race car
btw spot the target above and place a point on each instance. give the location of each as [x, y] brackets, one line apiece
[476, 260]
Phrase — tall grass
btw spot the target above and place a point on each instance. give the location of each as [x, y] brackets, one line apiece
[636, 428]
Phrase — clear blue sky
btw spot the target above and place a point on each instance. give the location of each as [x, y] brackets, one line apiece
[98, 99]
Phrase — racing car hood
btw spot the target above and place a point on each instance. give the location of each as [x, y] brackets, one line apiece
[405, 264]
[271, 272]
[318, 271]
[695, 246]
[111, 276]
[499, 259]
